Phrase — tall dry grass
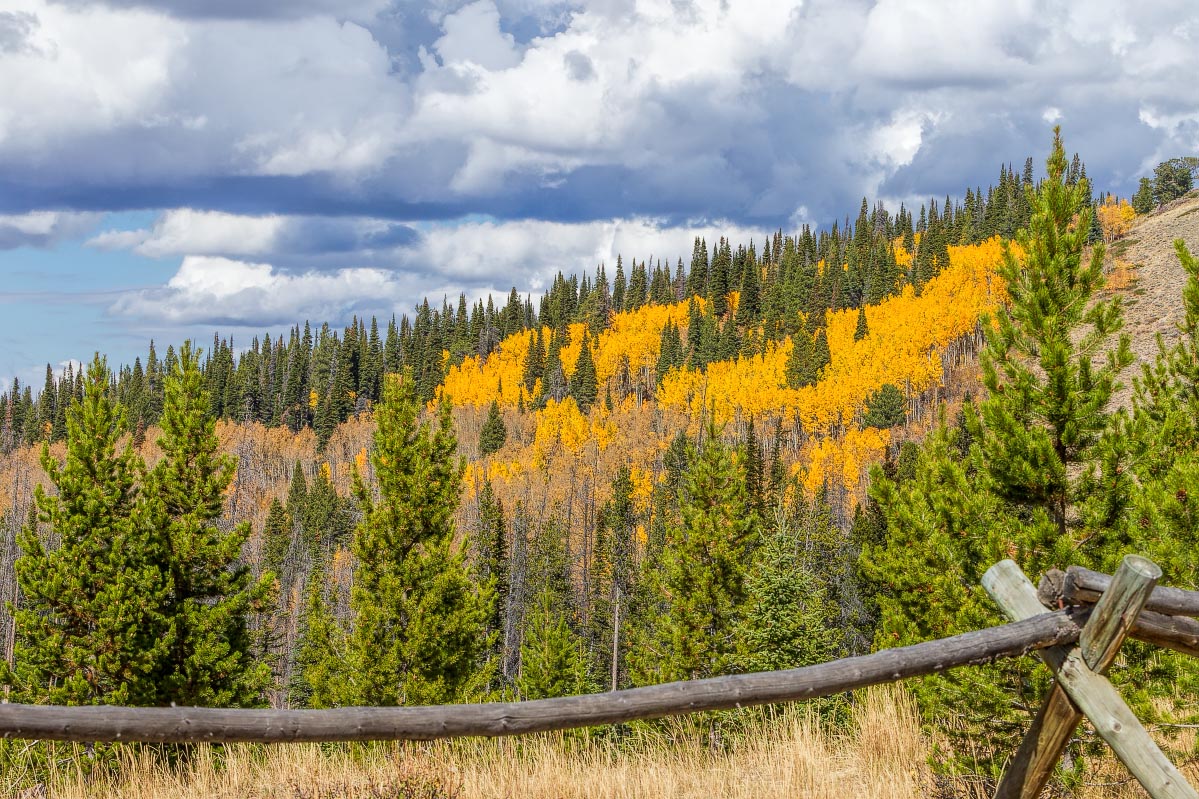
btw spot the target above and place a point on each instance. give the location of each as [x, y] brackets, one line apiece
[880, 754]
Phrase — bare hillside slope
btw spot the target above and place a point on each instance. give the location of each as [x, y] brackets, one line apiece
[1153, 302]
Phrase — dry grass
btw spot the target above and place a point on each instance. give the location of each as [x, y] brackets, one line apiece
[881, 754]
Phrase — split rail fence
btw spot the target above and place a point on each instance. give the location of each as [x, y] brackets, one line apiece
[1076, 623]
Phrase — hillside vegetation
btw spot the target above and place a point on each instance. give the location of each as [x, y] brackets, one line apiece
[760, 462]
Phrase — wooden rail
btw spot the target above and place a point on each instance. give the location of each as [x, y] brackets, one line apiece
[195, 725]
[1078, 637]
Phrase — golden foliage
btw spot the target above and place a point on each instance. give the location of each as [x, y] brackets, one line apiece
[911, 331]
[1115, 218]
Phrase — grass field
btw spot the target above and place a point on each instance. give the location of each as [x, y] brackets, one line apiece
[880, 754]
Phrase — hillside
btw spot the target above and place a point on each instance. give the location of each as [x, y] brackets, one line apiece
[1153, 300]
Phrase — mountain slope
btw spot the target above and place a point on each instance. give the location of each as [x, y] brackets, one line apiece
[1153, 301]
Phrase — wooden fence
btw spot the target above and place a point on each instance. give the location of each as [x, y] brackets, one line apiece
[1076, 624]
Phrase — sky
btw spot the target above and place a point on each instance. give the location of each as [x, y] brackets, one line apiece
[171, 168]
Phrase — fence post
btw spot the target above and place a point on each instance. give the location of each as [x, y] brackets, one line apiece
[1090, 691]
[1104, 632]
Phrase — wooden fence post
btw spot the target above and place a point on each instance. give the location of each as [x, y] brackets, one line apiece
[1051, 730]
[1090, 691]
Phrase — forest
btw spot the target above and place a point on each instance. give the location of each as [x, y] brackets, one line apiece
[760, 459]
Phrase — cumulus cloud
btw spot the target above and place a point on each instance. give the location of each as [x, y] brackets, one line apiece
[572, 112]
[188, 231]
[44, 228]
[223, 291]
[474, 257]
[247, 9]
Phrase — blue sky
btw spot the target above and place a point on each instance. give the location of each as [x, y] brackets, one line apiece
[173, 167]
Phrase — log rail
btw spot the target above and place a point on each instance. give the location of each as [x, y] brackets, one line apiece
[1076, 622]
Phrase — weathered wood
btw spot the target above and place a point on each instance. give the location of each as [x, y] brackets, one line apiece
[1179, 633]
[1091, 692]
[1173, 632]
[1116, 611]
[1031, 768]
[1079, 586]
[198, 725]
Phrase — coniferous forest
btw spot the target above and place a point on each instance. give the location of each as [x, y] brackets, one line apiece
[772, 454]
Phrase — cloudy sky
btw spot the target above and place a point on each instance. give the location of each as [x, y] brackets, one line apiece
[173, 167]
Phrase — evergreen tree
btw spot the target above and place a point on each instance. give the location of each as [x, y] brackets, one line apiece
[212, 594]
[703, 571]
[552, 662]
[493, 433]
[801, 362]
[535, 362]
[862, 329]
[1142, 201]
[885, 408]
[418, 620]
[91, 627]
[1172, 179]
[785, 623]
[276, 537]
[1045, 481]
[583, 385]
[491, 546]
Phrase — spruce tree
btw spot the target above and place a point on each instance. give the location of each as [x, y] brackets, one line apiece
[492, 563]
[418, 620]
[862, 329]
[91, 626]
[583, 386]
[212, 594]
[552, 662]
[276, 537]
[785, 623]
[885, 407]
[494, 433]
[703, 571]
[1142, 201]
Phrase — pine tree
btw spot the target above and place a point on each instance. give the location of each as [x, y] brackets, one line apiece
[552, 657]
[276, 537]
[552, 662]
[491, 546]
[703, 571]
[800, 361]
[1142, 201]
[785, 623]
[862, 329]
[885, 408]
[494, 433]
[212, 594]
[583, 386]
[418, 619]
[1045, 481]
[91, 628]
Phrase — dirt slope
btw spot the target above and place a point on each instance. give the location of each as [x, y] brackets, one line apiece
[1153, 302]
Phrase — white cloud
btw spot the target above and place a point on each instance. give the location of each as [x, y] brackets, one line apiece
[44, 228]
[475, 257]
[473, 36]
[745, 109]
[224, 291]
[184, 230]
[68, 80]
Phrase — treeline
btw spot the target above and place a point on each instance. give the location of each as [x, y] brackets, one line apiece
[1171, 179]
[320, 377]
